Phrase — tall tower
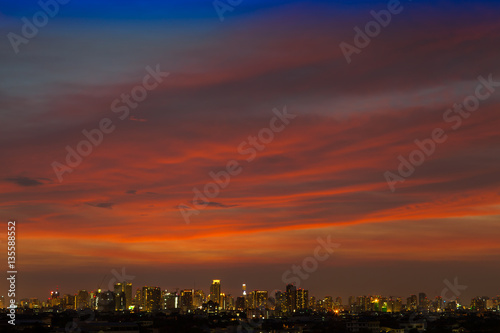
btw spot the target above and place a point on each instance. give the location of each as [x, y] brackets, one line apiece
[128, 295]
[119, 297]
[260, 299]
[422, 300]
[123, 296]
[244, 289]
[215, 292]
[186, 300]
[302, 297]
[151, 298]
[291, 298]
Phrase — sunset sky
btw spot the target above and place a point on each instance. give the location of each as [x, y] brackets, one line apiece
[322, 175]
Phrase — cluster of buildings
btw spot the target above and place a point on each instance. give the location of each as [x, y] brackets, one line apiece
[257, 302]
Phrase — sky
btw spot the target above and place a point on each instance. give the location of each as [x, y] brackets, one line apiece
[328, 129]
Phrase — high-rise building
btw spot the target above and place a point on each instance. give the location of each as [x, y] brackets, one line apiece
[170, 301]
[363, 303]
[422, 301]
[186, 300]
[312, 303]
[394, 305]
[249, 300]
[82, 300]
[137, 301]
[119, 297]
[411, 302]
[240, 303]
[69, 302]
[215, 291]
[106, 301]
[280, 302]
[123, 296]
[291, 298]
[228, 301]
[222, 304]
[478, 303]
[352, 303]
[328, 303]
[438, 304]
[93, 300]
[128, 294]
[151, 298]
[250, 303]
[302, 299]
[244, 289]
[34, 303]
[198, 298]
[260, 299]
[55, 300]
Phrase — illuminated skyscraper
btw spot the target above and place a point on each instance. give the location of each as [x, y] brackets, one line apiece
[302, 299]
[411, 302]
[34, 303]
[137, 301]
[106, 301]
[291, 298]
[123, 296]
[312, 303]
[198, 298]
[55, 300]
[92, 300]
[170, 301]
[250, 301]
[82, 300]
[438, 304]
[186, 300]
[119, 297]
[240, 303]
[260, 299]
[226, 302]
[215, 292]
[69, 302]
[328, 303]
[423, 301]
[151, 298]
[280, 302]
[244, 289]
[128, 295]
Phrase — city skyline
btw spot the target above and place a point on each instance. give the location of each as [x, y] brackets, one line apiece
[452, 291]
[124, 299]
